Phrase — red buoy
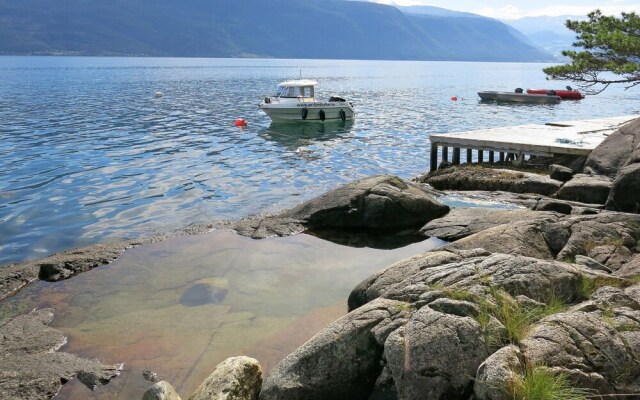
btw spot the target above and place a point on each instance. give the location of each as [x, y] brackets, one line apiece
[240, 123]
[454, 98]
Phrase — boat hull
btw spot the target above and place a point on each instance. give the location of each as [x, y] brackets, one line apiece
[518, 97]
[563, 94]
[295, 112]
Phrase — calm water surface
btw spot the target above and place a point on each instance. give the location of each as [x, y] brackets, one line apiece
[267, 298]
[87, 153]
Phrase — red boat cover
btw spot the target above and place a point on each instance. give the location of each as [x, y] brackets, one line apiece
[564, 94]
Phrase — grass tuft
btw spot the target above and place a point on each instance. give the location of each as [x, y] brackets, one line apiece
[589, 285]
[540, 383]
[516, 318]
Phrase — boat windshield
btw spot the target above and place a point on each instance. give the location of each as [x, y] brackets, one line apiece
[295, 91]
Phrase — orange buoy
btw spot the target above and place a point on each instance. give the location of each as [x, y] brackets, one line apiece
[454, 98]
[240, 123]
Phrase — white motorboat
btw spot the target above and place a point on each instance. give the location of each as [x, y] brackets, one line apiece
[295, 101]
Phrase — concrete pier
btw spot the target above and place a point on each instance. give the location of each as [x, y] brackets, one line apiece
[518, 142]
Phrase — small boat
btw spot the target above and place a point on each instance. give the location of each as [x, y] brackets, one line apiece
[519, 97]
[568, 94]
[295, 101]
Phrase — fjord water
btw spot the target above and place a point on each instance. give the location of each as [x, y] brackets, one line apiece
[88, 153]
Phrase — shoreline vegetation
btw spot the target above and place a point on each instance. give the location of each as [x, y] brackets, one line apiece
[542, 300]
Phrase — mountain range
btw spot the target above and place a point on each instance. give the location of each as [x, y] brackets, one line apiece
[329, 29]
[548, 33]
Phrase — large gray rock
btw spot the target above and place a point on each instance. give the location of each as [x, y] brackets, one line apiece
[593, 189]
[616, 150]
[473, 177]
[588, 349]
[525, 238]
[496, 373]
[463, 222]
[560, 173]
[236, 378]
[161, 391]
[379, 202]
[537, 279]
[589, 232]
[374, 286]
[343, 361]
[31, 368]
[591, 263]
[630, 269]
[435, 355]
[613, 256]
[625, 192]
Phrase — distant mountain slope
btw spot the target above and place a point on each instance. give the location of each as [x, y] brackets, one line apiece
[436, 11]
[252, 28]
[549, 33]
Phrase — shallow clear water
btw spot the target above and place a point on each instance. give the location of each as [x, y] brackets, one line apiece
[87, 153]
[270, 297]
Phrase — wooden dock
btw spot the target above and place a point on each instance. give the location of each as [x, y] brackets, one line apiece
[517, 142]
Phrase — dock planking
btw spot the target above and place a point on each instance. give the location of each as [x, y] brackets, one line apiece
[566, 137]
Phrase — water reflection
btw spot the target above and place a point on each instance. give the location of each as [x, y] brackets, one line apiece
[292, 136]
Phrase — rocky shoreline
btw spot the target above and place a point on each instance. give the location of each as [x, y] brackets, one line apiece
[552, 290]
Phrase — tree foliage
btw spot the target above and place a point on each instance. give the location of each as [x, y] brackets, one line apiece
[608, 52]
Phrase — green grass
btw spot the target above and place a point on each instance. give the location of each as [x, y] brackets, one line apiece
[455, 293]
[515, 317]
[589, 285]
[539, 383]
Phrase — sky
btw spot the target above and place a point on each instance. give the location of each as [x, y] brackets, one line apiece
[513, 9]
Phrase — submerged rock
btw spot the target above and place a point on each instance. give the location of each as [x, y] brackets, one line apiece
[205, 291]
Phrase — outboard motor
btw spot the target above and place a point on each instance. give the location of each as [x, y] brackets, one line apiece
[519, 90]
[569, 88]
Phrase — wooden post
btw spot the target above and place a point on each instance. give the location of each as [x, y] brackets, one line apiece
[445, 154]
[502, 157]
[434, 156]
[480, 156]
[456, 156]
[469, 156]
[491, 159]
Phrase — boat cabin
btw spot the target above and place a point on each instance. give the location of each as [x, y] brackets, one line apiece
[301, 89]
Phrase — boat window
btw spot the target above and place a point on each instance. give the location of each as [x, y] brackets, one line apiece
[283, 91]
[295, 91]
[307, 91]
